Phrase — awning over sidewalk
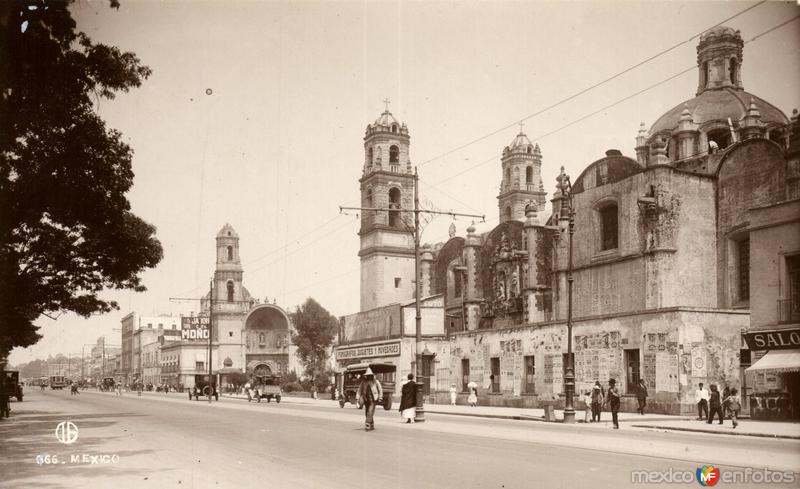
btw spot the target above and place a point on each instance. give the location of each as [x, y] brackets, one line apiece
[778, 361]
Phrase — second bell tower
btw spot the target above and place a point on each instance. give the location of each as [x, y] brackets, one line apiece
[387, 238]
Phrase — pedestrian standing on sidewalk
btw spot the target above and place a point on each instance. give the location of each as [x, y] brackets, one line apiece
[473, 396]
[408, 400]
[370, 393]
[702, 402]
[725, 393]
[714, 405]
[598, 398]
[587, 405]
[641, 396]
[733, 405]
[453, 394]
[612, 399]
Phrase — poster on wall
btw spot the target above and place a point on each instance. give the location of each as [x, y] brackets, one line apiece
[666, 372]
[649, 371]
[698, 361]
[518, 366]
[487, 367]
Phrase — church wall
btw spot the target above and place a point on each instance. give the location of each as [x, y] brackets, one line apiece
[675, 348]
[752, 174]
[378, 273]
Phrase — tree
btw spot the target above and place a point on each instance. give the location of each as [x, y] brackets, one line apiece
[315, 328]
[66, 228]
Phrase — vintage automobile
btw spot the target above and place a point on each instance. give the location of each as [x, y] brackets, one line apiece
[266, 387]
[351, 378]
[12, 385]
[202, 387]
[58, 382]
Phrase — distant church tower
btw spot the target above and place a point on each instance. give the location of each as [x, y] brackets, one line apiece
[387, 241]
[228, 272]
[522, 179]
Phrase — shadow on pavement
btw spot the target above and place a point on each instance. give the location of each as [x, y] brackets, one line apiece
[29, 434]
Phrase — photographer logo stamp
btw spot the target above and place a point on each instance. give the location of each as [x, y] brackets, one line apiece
[67, 432]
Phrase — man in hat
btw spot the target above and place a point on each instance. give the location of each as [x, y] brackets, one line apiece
[370, 393]
[612, 399]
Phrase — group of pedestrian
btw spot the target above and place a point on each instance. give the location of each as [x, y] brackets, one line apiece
[597, 398]
[718, 404]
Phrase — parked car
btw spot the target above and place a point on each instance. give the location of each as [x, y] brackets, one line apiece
[12, 385]
[351, 378]
[202, 387]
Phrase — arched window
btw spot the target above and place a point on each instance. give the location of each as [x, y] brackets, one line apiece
[230, 291]
[456, 283]
[394, 154]
[529, 175]
[508, 213]
[704, 74]
[508, 176]
[529, 150]
[369, 197]
[394, 203]
[369, 157]
[394, 128]
[721, 136]
[609, 229]
[230, 253]
[732, 70]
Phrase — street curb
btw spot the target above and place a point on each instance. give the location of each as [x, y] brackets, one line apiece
[714, 432]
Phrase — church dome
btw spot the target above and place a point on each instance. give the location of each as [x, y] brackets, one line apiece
[719, 105]
[386, 119]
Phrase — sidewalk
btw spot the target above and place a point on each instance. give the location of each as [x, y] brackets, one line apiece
[766, 429]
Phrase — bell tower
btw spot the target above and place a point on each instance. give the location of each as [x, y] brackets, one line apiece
[521, 182]
[228, 271]
[387, 240]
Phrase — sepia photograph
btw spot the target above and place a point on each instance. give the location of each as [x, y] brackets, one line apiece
[392, 244]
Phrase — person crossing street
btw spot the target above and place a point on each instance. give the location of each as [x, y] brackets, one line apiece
[370, 393]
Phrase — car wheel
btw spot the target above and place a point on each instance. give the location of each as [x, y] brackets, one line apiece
[278, 399]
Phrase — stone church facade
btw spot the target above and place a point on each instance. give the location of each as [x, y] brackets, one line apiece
[661, 256]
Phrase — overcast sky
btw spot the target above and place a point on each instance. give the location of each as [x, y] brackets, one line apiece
[255, 115]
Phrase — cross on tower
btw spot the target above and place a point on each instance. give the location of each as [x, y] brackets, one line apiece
[386, 101]
[520, 126]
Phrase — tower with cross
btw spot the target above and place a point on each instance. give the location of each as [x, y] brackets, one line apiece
[387, 241]
[521, 182]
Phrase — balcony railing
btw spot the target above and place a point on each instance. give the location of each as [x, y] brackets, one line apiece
[788, 311]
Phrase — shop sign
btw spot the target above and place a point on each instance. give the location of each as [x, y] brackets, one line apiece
[369, 351]
[773, 340]
[194, 328]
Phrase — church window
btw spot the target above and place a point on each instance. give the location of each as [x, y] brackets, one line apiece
[704, 74]
[262, 339]
[230, 252]
[394, 203]
[508, 176]
[609, 232]
[529, 175]
[230, 291]
[508, 212]
[397, 281]
[743, 283]
[369, 197]
[732, 70]
[369, 157]
[394, 154]
[394, 128]
[721, 136]
[529, 150]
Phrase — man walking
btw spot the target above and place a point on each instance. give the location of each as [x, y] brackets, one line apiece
[612, 399]
[370, 393]
[408, 400]
[702, 402]
[715, 405]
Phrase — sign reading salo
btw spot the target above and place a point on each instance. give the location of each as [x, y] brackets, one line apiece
[773, 340]
[194, 328]
[369, 351]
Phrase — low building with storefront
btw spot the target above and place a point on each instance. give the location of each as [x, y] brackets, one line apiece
[387, 334]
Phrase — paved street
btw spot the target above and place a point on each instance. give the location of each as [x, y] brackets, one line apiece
[168, 441]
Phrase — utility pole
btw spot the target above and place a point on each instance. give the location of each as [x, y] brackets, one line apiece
[210, 335]
[420, 417]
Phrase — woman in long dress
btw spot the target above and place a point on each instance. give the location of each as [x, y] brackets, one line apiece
[408, 400]
[472, 400]
[452, 394]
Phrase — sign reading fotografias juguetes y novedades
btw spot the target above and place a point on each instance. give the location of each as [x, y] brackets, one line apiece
[369, 351]
[194, 328]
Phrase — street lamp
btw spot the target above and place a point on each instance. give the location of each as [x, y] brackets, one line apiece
[567, 212]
